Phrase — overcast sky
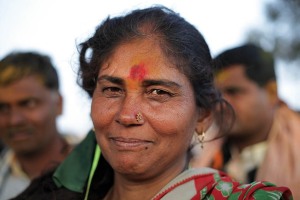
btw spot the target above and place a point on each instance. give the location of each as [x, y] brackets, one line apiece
[55, 27]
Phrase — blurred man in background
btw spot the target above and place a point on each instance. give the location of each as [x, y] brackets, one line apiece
[263, 143]
[30, 102]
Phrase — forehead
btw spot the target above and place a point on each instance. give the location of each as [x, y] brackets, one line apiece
[23, 88]
[234, 73]
[145, 53]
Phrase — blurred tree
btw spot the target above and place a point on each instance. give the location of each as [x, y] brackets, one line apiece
[281, 32]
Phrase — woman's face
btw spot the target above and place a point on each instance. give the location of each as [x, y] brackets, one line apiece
[138, 79]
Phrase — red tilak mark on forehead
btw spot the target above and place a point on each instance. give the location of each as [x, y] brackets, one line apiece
[138, 72]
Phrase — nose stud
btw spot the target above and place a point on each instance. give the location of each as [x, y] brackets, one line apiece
[139, 117]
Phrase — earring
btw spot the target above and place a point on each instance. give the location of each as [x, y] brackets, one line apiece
[139, 117]
[201, 139]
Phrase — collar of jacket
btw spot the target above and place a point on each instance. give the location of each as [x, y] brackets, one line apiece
[78, 162]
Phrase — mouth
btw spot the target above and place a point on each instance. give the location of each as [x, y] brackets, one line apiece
[19, 135]
[130, 143]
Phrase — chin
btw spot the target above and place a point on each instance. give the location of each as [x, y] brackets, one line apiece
[25, 151]
[129, 168]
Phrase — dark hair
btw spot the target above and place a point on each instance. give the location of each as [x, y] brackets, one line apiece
[259, 64]
[180, 41]
[18, 65]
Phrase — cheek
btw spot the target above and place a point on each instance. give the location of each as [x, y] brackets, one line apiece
[3, 122]
[248, 110]
[41, 116]
[242, 105]
[242, 109]
[101, 113]
[179, 122]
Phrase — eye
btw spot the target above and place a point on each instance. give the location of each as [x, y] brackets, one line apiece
[4, 108]
[29, 103]
[232, 91]
[112, 91]
[159, 94]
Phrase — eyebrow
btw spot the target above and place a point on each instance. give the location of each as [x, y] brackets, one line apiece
[145, 83]
[112, 79]
[163, 82]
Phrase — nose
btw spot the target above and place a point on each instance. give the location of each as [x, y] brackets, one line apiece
[130, 113]
[15, 116]
[228, 98]
[225, 96]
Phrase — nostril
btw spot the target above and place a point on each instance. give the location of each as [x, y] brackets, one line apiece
[15, 117]
[126, 119]
[131, 119]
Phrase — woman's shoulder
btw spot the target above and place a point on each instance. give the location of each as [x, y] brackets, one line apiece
[44, 187]
[257, 190]
[221, 186]
[206, 183]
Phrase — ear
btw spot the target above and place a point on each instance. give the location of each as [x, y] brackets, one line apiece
[59, 104]
[204, 121]
[271, 88]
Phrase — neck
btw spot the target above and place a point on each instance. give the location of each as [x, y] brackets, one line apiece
[127, 189]
[47, 158]
[133, 191]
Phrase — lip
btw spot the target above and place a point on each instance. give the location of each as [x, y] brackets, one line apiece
[19, 136]
[130, 144]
